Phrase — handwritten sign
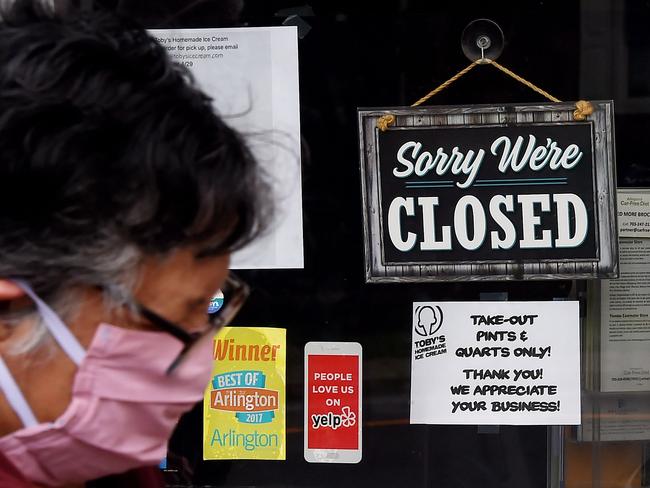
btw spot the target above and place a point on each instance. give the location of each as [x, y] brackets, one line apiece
[511, 363]
[516, 196]
[244, 405]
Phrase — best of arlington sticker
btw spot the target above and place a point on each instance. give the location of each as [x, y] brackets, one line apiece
[244, 405]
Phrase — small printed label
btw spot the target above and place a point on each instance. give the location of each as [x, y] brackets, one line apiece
[633, 213]
[428, 332]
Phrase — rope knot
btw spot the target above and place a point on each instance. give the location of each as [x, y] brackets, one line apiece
[385, 121]
[583, 110]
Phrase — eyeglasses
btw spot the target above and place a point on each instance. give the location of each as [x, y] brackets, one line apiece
[235, 292]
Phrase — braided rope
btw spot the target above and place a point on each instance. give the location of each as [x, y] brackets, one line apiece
[437, 90]
[530, 85]
[583, 108]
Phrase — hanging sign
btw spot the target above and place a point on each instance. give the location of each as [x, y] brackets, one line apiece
[244, 405]
[509, 363]
[489, 192]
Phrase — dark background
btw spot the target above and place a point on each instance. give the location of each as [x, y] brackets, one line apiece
[371, 53]
[580, 182]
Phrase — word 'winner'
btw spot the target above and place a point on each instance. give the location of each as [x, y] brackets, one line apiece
[517, 192]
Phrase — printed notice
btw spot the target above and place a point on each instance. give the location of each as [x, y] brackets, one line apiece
[244, 405]
[510, 363]
[619, 419]
[625, 302]
[252, 76]
[633, 213]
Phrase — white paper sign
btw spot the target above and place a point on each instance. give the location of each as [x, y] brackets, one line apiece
[514, 363]
[252, 76]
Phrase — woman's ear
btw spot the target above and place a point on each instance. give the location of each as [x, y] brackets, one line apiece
[10, 290]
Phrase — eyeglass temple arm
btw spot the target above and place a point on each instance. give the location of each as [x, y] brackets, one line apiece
[165, 325]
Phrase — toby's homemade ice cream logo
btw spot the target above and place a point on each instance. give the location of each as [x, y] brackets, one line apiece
[244, 392]
[427, 321]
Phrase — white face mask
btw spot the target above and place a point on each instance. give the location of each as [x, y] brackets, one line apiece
[124, 406]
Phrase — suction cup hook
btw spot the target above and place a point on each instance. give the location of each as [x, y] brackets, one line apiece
[482, 39]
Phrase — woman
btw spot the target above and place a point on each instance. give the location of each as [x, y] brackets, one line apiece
[122, 195]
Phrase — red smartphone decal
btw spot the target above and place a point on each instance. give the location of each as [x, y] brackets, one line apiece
[333, 402]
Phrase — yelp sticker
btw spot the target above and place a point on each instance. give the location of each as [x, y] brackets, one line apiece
[347, 418]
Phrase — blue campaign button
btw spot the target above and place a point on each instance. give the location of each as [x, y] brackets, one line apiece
[216, 302]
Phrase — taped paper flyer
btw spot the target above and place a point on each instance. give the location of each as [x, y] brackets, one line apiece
[509, 363]
[251, 74]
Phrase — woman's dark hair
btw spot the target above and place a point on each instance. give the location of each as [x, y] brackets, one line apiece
[108, 152]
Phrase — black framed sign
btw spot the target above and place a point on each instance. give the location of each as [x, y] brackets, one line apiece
[489, 193]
